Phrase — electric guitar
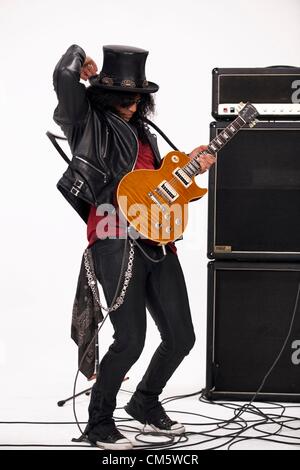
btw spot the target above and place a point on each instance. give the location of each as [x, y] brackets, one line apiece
[155, 202]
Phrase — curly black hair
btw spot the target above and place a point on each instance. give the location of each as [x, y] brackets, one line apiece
[106, 100]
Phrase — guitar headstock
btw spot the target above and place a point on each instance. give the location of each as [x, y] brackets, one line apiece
[248, 112]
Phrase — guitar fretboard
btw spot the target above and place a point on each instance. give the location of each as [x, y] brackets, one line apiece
[193, 167]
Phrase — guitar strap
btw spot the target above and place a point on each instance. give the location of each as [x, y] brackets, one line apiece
[160, 132]
[53, 138]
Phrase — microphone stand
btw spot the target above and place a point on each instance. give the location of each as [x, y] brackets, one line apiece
[94, 376]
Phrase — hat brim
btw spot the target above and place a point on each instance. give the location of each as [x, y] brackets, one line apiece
[151, 88]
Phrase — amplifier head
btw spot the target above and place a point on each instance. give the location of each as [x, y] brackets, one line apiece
[274, 91]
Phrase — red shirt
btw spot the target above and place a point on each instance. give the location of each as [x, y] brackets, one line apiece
[112, 226]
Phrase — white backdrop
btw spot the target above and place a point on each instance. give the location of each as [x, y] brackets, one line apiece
[42, 237]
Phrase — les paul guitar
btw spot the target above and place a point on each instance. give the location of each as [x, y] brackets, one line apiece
[155, 202]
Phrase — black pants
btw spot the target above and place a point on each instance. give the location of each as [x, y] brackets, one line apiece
[161, 288]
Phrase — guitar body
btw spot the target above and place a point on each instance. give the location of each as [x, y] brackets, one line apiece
[154, 202]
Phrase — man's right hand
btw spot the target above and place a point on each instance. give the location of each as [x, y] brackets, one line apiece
[88, 69]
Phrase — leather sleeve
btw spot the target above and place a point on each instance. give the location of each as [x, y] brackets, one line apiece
[73, 105]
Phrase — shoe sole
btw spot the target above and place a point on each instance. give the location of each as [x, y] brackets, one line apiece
[125, 445]
[175, 431]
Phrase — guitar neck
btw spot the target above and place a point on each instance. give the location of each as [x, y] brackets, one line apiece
[193, 167]
[223, 137]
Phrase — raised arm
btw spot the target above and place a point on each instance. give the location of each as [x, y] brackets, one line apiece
[72, 101]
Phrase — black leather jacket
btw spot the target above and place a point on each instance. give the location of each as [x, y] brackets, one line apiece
[104, 146]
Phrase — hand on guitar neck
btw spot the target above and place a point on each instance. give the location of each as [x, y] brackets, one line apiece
[206, 160]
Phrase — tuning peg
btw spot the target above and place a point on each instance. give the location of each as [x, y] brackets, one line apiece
[254, 122]
[240, 106]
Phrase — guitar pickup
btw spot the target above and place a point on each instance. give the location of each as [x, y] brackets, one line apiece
[182, 176]
[167, 192]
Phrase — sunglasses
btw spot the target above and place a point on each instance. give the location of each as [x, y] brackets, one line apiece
[126, 103]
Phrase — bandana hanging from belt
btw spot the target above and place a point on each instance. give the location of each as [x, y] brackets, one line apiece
[86, 316]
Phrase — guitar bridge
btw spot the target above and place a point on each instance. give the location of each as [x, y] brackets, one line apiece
[156, 201]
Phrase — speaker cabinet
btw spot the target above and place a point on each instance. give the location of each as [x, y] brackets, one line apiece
[250, 307]
[254, 194]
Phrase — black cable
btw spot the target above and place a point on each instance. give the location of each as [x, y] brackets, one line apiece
[283, 346]
[207, 438]
[148, 256]
[232, 436]
[249, 407]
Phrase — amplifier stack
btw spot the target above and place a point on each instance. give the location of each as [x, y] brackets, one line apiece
[254, 238]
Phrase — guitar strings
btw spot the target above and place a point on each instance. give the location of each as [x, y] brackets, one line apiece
[240, 125]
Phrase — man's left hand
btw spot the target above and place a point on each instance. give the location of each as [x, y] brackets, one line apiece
[205, 160]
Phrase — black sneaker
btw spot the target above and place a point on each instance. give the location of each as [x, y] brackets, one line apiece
[157, 420]
[114, 440]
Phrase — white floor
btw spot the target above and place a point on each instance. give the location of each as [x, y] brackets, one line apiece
[56, 436]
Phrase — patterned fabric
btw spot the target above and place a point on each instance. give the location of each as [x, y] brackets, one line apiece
[86, 315]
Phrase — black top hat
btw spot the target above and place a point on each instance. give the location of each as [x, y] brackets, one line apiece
[124, 70]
